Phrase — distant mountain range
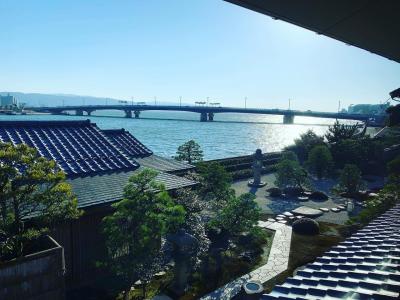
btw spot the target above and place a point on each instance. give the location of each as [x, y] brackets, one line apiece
[36, 99]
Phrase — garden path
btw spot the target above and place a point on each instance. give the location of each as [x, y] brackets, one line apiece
[278, 260]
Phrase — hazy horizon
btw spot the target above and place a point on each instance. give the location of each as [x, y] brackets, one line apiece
[194, 49]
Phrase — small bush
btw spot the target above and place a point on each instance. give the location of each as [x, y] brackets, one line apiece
[306, 226]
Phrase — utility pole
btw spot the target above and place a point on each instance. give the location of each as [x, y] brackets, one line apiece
[245, 102]
[180, 101]
[155, 100]
[289, 103]
[132, 99]
[339, 107]
[207, 100]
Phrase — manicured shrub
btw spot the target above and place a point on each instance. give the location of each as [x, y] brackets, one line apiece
[318, 195]
[306, 226]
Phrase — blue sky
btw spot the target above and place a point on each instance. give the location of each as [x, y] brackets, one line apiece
[189, 48]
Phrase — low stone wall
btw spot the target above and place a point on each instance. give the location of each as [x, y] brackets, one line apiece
[35, 276]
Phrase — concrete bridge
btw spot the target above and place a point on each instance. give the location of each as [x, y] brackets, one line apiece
[206, 112]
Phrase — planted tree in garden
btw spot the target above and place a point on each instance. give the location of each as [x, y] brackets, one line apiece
[239, 215]
[135, 232]
[189, 152]
[31, 188]
[338, 132]
[305, 143]
[350, 179]
[320, 161]
[289, 174]
[215, 184]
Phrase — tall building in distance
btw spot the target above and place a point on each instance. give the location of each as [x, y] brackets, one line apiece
[8, 101]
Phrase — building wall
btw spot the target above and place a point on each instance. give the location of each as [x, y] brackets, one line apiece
[84, 245]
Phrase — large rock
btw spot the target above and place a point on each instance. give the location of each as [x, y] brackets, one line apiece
[306, 226]
[319, 196]
[275, 192]
[293, 191]
[306, 211]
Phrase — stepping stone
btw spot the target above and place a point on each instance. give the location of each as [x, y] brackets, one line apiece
[281, 216]
[341, 207]
[299, 217]
[324, 209]
[307, 211]
[282, 221]
[271, 220]
[302, 198]
[335, 209]
[288, 214]
[292, 217]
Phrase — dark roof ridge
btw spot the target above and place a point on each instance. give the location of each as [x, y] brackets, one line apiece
[45, 122]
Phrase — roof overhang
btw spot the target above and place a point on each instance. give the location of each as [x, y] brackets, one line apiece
[371, 25]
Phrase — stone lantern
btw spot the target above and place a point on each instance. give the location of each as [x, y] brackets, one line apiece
[184, 247]
[257, 167]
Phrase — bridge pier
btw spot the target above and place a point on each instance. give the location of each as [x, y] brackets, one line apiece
[89, 112]
[203, 117]
[79, 112]
[137, 114]
[288, 119]
[210, 116]
[128, 114]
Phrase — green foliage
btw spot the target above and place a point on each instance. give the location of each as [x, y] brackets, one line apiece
[320, 161]
[350, 179]
[394, 170]
[290, 155]
[240, 214]
[338, 132]
[305, 143]
[289, 174]
[215, 183]
[394, 115]
[387, 198]
[31, 186]
[189, 152]
[134, 232]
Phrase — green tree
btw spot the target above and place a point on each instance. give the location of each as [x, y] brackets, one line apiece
[290, 155]
[305, 143]
[239, 215]
[338, 132]
[215, 184]
[32, 188]
[189, 152]
[350, 179]
[320, 161]
[134, 232]
[289, 174]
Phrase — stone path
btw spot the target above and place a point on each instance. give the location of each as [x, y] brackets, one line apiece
[277, 262]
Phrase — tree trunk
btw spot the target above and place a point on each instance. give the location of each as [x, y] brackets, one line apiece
[144, 290]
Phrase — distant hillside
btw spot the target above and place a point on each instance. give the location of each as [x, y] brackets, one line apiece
[35, 99]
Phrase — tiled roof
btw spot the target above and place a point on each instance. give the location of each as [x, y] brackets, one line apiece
[106, 188]
[127, 143]
[163, 164]
[364, 266]
[78, 147]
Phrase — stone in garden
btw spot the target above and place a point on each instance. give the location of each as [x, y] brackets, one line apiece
[293, 191]
[373, 195]
[324, 209]
[282, 221]
[281, 216]
[275, 192]
[257, 170]
[306, 226]
[302, 198]
[341, 207]
[271, 220]
[335, 209]
[288, 214]
[317, 195]
[307, 211]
